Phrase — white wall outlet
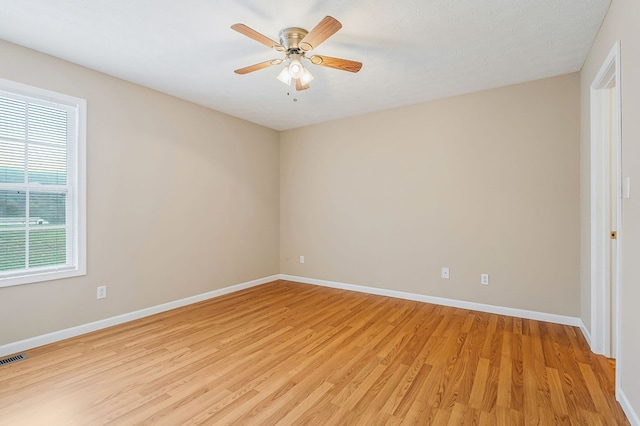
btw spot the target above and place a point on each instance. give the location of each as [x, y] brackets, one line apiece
[301, 259]
[445, 273]
[102, 292]
[484, 279]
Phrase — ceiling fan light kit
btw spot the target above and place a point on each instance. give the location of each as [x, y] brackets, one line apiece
[295, 43]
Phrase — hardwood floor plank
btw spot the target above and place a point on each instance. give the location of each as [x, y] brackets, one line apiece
[503, 398]
[439, 380]
[306, 404]
[413, 378]
[290, 353]
[517, 373]
[479, 384]
[558, 401]
[379, 394]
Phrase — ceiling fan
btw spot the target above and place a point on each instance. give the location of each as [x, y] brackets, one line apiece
[296, 43]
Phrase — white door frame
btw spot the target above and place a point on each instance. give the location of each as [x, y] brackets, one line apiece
[605, 303]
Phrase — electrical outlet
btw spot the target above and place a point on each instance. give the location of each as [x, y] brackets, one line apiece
[102, 292]
[445, 273]
[484, 279]
[301, 259]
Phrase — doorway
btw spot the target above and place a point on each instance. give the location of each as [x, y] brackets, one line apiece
[606, 194]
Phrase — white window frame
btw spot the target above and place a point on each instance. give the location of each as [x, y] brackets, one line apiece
[77, 265]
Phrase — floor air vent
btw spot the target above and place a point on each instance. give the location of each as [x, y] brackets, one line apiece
[12, 359]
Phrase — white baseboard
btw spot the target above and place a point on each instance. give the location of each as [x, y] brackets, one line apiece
[56, 336]
[493, 309]
[632, 416]
[585, 333]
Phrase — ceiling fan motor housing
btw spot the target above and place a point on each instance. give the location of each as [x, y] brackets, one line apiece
[290, 38]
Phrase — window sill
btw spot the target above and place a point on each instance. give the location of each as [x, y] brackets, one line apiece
[41, 276]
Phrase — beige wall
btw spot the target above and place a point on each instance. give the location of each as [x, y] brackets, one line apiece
[181, 200]
[481, 183]
[621, 24]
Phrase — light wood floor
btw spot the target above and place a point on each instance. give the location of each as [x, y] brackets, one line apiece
[292, 353]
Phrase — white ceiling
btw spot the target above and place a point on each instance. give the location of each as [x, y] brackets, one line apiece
[412, 50]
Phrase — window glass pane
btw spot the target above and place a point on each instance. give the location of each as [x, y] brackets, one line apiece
[12, 241]
[47, 208]
[12, 208]
[46, 124]
[12, 118]
[11, 162]
[47, 247]
[12, 249]
[48, 164]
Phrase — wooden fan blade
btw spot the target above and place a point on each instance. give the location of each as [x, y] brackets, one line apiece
[325, 29]
[251, 33]
[256, 67]
[300, 86]
[337, 63]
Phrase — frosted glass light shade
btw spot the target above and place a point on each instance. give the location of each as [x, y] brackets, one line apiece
[284, 76]
[306, 77]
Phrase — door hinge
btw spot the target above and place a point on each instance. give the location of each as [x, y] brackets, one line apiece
[614, 235]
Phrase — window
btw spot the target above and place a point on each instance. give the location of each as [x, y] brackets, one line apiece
[42, 185]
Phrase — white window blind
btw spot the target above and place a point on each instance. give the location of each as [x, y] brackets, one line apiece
[41, 185]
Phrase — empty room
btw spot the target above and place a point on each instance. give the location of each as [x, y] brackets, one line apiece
[319, 213]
